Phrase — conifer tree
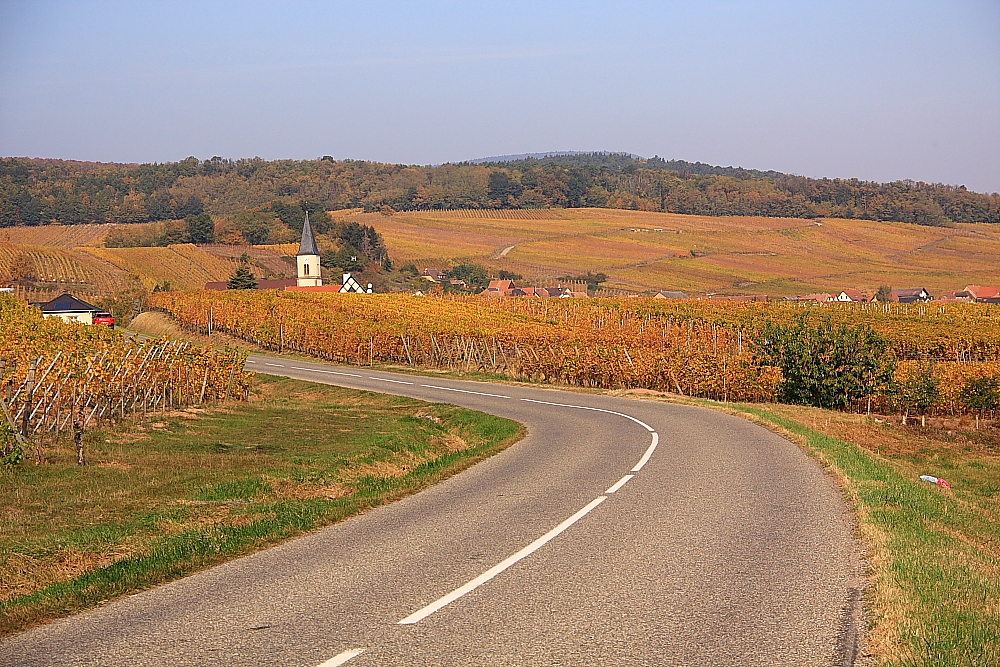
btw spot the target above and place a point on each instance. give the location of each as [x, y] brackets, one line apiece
[242, 279]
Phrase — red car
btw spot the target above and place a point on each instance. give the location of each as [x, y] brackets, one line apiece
[106, 319]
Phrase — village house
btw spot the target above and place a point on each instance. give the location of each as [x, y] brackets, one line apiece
[434, 275]
[910, 295]
[852, 296]
[72, 309]
[667, 294]
[982, 294]
[955, 297]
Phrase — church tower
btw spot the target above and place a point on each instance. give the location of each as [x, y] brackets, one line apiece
[308, 258]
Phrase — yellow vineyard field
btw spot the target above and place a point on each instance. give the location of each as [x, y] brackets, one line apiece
[734, 255]
[89, 373]
[692, 348]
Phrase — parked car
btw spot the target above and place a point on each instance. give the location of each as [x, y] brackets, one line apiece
[106, 319]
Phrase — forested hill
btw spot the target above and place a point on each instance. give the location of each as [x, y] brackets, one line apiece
[36, 191]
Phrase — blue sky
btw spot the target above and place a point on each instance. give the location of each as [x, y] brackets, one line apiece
[876, 90]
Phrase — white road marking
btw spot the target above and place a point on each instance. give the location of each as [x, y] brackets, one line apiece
[584, 407]
[277, 365]
[251, 362]
[619, 484]
[464, 391]
[649, 452]
[316, 370]
[342, 658]
[388, 380]
[418, 616]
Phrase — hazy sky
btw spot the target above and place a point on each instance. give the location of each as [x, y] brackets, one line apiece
[877, 90]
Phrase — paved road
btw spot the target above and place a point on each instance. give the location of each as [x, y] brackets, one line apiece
[726, 546]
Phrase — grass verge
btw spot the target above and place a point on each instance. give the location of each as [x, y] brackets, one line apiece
[185, 490]
[935, 553]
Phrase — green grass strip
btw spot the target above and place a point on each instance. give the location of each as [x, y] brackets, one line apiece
[937, 596]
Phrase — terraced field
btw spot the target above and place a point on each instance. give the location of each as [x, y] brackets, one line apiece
[184, 266]
[58, 236]
[59, 268]
[700, 254]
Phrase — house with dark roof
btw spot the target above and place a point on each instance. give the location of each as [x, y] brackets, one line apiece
[70, 309]
[910, 295]
[668, 294]
[434, 275]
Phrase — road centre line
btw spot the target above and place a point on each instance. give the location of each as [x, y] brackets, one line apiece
[464, 391]
[421, 614]
[276, 365]
[341, 658]
[619, 484]
[316, 370]
[584, 407]
[388, 380]
[649, 452]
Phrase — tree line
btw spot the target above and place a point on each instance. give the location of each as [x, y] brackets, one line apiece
[37, 192]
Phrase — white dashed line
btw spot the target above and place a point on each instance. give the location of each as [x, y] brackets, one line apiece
[249, 361]
[275, 365]
[464, 391]
[649, 452]
[619, 484]
[342, 658]
[584, 407]
[316, 370]
[388, 380]
[418, 616]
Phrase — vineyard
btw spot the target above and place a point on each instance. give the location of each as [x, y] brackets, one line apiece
[184, 266]
[693, 348]
[57, 236]
[698, 253]
[57, 376]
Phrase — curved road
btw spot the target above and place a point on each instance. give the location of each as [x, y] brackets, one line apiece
[618, 532]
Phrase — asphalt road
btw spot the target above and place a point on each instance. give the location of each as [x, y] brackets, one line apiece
[727, 546]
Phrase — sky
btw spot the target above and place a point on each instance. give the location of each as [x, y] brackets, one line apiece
[875, 90]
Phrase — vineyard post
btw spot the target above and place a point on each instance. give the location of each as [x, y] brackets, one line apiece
[81, 459]
[211, 316]
[29, 395]
[8, 417]
[281, 337]
[204, 384]
[232, 373]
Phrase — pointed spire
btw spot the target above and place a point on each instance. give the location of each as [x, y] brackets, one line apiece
[308, 245]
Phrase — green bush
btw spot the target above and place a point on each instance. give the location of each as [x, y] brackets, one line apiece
[826, 366]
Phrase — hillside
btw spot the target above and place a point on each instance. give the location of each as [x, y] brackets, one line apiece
[698, 254]
[44, 261]
[40, 192]
[638, 251]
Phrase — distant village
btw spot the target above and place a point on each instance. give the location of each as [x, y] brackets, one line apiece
[507, 288]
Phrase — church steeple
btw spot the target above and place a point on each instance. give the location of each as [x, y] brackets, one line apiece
[308, 245]
[308, 258]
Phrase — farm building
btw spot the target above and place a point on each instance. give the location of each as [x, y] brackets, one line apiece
[71, 309]
[910, 295]
[668, 294]
[981, 294]
[852, 296]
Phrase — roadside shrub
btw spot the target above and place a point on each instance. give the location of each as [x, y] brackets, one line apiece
[826, 366]
[981, 395]
[11, 452]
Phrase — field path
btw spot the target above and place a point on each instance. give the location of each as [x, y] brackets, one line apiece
[618, 532]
